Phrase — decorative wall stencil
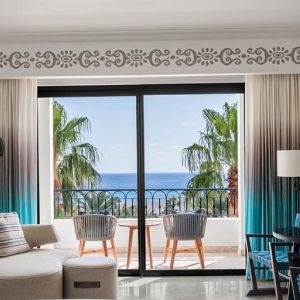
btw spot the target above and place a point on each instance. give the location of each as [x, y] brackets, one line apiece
[137, 58]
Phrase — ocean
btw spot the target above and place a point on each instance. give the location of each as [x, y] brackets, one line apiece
[152, 180]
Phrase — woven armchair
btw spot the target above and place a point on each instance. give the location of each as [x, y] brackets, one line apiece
[95, 228]
[183, 227]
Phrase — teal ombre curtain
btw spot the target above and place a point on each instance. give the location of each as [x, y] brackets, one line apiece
[18, 165]
[272, 122]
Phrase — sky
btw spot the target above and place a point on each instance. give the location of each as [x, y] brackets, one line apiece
[172, 122]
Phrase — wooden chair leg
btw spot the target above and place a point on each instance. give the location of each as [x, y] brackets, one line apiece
[112, 242]
[275, 272]
[81, 248]
[166, 250]
[105, 248]
[252, 274]
[277, 285]
[175, 242]
[200, 252]
[251, 268]
[149, 246]
[129, 247]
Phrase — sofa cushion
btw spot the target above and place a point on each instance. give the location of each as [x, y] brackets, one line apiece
[32, 264]
[12, 239]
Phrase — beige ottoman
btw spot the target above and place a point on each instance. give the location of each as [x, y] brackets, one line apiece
[90, 277]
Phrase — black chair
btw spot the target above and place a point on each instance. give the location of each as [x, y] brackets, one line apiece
[294, 263]
[273, 260]
[280, 266]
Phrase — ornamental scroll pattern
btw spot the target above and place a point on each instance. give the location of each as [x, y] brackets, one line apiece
[137, 58]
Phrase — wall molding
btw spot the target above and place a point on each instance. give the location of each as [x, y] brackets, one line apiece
[150, 35]
[193, 57]
[137, 57]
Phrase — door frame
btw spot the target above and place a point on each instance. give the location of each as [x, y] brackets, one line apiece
[139, 91]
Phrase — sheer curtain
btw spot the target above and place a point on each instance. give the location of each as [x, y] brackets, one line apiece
[18, 165]
[272, 122]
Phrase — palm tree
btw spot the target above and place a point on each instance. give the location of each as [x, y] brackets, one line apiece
[73, 161]
[215, 157]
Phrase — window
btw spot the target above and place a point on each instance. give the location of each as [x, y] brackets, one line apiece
[141, 153]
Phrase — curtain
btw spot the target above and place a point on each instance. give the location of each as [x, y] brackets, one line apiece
[272, 122]
[18, 165]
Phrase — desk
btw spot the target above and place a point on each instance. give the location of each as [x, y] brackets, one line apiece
[132, 225]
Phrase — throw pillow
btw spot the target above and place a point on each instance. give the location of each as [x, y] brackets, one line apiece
[12, 240]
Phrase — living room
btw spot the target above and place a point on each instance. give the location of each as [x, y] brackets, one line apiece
[149, 150]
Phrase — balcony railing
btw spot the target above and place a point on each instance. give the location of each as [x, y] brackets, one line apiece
[220, 202]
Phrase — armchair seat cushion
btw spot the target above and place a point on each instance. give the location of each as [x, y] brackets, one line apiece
[264, 257]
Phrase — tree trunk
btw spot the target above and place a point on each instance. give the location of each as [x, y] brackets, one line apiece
[232, 179]
[57, 182]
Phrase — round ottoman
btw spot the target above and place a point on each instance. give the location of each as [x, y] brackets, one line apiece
[90, 277]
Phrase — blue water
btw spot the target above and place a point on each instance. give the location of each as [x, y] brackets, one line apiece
[152, 180]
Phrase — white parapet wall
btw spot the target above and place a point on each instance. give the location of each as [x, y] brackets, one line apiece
[222, 235]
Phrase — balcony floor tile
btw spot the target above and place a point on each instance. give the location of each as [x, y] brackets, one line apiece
[183, 261]
[189, 261]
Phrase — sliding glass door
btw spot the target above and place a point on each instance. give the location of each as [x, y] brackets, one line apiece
[162, 160]
[191, 183]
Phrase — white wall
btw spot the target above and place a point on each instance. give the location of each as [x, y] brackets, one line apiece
[241, 172]
[219, 232]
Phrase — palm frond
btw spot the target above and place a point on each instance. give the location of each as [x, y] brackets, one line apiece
[216, 150]
[74, 161]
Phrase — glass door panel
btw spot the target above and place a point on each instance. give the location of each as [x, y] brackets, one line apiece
[95, 171]
[191, 177]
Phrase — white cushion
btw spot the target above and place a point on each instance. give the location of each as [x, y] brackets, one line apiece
[32, 264]
[90, 262]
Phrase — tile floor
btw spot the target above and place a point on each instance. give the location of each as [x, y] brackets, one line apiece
[185, 288]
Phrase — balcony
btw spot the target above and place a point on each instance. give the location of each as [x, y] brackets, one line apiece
[222, 231]
[215, 203]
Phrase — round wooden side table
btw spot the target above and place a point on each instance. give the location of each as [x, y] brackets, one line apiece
[132, 226]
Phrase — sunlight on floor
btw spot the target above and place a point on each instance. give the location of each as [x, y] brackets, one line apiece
[189, 261]
[183, 261]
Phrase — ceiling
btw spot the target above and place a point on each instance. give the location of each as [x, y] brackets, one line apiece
[38, 17]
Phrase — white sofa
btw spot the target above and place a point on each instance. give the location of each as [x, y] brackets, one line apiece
[36, 274]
